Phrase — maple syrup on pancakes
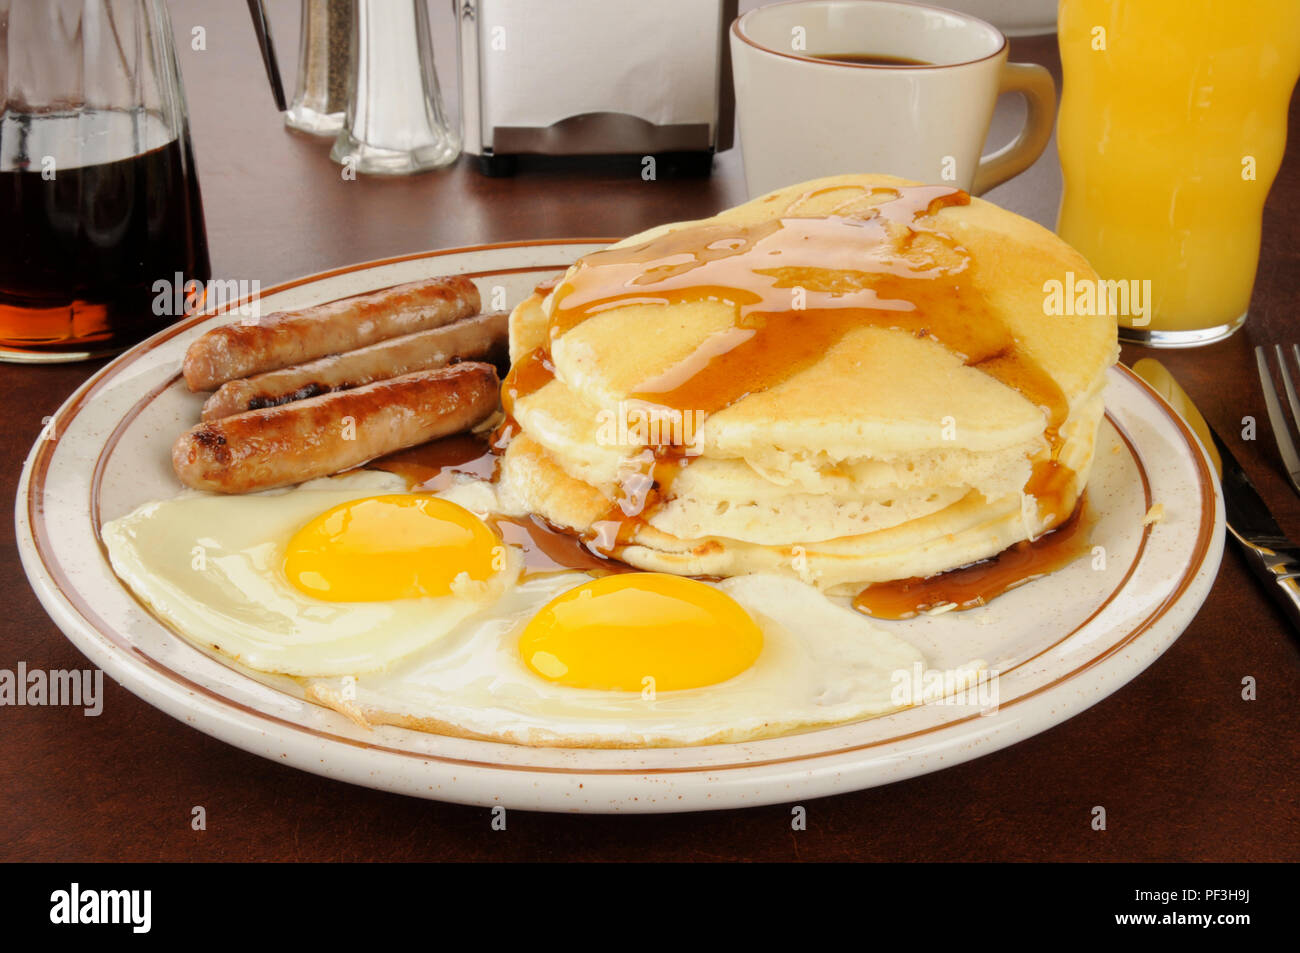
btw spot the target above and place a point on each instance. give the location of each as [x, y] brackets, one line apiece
[872, 266]
[972, 586]
[856, 267]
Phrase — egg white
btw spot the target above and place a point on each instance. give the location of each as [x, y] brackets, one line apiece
[211, 566]
[821, 663]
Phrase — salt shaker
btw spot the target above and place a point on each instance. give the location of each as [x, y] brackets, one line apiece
[395, 123]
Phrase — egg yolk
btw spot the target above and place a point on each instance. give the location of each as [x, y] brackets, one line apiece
[390, 547]
[616, 632]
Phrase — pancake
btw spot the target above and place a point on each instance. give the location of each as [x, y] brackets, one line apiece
[851, 380]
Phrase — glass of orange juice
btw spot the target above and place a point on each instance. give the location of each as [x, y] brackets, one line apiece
[1172, 126]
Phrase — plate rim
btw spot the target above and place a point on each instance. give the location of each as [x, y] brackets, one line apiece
[224, 715]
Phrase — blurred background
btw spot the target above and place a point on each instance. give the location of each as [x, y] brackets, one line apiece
[260, 178]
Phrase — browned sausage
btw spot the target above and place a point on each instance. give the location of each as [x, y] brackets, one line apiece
[323, 435]
[480, 337]
[285, 338]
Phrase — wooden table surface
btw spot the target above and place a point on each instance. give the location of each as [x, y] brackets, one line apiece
[1185, 768]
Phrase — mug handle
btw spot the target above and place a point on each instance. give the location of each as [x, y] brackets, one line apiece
[1039, 89]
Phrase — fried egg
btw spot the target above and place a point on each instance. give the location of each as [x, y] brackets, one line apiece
[335, 577]
[407, 609]
[629, 661]
[628, 632]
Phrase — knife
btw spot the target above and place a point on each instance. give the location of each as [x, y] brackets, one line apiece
[1273, 558]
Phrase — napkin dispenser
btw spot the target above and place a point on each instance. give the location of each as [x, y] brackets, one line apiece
[595, 77]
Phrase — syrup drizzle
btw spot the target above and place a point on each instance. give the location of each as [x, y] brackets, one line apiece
[433, 466]
[974, 585]
[797, 286]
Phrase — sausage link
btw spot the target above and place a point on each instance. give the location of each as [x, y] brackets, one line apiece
[285, 338]
[480, 337]
[311, 438]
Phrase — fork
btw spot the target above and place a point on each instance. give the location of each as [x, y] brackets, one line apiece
[1276, 418]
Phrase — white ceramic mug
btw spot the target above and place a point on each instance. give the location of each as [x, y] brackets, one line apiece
[802, 118]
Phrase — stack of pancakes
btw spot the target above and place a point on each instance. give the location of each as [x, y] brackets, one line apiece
[851, 380]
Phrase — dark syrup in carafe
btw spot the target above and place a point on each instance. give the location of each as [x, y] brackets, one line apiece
[88, 226]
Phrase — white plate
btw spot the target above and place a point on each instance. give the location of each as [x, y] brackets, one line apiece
[1061, 643]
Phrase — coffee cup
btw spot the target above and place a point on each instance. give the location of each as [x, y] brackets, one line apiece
[825, 87]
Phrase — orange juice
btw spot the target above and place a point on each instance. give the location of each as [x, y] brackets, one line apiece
[1172, 126]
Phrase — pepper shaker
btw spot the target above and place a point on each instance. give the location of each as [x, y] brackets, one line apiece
[324, 58]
